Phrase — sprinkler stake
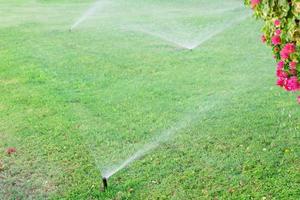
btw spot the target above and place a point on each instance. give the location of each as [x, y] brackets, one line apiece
[104, 181]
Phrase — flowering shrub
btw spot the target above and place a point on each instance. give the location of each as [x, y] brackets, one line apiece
[281, 31]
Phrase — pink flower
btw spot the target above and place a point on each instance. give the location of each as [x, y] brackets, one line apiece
[254, 3]
[293, 65]
[280, 82]
[293, 72]
[284, 55]
[277, 22]
[292, 84]
[11, 150]
[263, 39]
[276, 40]
[278, 32]
[288, 49]
[280, 65]
[281, 74]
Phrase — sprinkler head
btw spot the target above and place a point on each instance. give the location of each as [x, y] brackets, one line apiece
[104, 181]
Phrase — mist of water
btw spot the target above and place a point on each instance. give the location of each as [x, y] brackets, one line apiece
[201, 39]
[197, 41]
[91, 11]
[190, 118]
[163, 137]
[184, 123]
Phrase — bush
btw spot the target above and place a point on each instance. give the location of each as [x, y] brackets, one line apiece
[281, 31]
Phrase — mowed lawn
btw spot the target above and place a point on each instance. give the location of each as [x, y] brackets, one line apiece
[73, 103]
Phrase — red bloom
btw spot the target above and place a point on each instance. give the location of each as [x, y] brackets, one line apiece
[276, 40]
[277, 22]
[263, 39]
[292, 84]
[254, 3]
[11, 150]
[284, 55]
[278, 32]
[281, 74]
[280, 82]
[288, 49]
[293, 65]
[280, 65]
[293, 72]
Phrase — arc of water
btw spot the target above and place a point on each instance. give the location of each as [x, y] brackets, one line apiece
[198, 40]
[167, 134]
[96, 6]
[163, 137]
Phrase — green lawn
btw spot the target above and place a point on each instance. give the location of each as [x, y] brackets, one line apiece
[73, 103]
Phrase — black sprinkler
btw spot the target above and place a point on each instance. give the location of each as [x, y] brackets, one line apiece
[104, 181]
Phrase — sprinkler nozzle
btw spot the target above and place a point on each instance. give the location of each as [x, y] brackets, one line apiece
[104, 181]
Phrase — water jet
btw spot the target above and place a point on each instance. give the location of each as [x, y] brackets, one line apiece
[195, 42]
[91, 11]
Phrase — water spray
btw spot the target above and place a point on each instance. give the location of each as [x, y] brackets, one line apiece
[169, 133]
[197, 41]
[165, 136]
[153, 144]
[88, 13]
